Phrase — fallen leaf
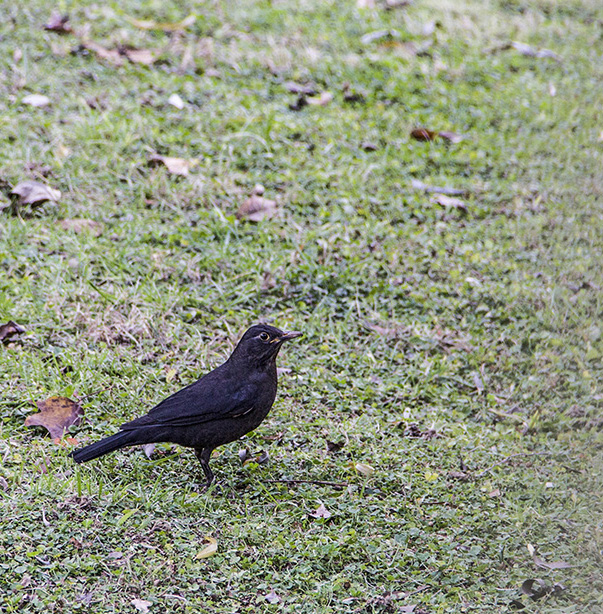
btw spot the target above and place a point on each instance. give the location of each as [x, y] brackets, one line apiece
[369, 146]
[494, 494]
[450, 202]
[9, 330]
[322, 100]
[452, 137]
[243, 455]
[272, 597]
[79, 225]
[365, 470]
[371, 37]
[176, 101]
[365, 4]
[257, 208]
[320, 512]
[307, 89]
[149, 24]
[209, 550]
[533, 52]
[59, 23]
[419, 185]
[423, 134]
[111, 55]
[56, 415]
[36, 100]
[176, 166]
[148, 449]
[536, 588]
[553, 565]
[142, 605]
[139, 56]
[34, 192]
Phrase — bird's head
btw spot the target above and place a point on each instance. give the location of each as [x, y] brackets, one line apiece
[261, 343]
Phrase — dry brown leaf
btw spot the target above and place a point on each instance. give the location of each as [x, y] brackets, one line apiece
[307, 89]
[36, 100]
[149, 24]
[142, 605]
[423, 134]
[533, 52]
[111, 55]
[56, 415]
[322, 100]
[34, 192]
[9, 330]
[79, 225]
[272, 597]
[139, 56]
[321, 512]
[59, 23]
[176, 166]
[450, 202]
[209, 550]
[257, 208]
[369, 146]
[364, 469]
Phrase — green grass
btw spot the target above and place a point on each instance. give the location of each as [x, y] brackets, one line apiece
[484, 327]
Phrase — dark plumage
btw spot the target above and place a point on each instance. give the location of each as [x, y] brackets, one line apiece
[222, 406]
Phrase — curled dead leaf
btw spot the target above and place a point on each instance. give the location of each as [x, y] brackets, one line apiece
[34, 192]
[9, 330]
[257, 208]
[36, 100]
[112, 56]
[322, 100]
[450, 202]
[209, 550]
[139, 56]
[56, 415]
[307, 89]
[142, 605]
[148, 449]
[364, 469]
[320, 512]
[423, 134]
[533, 52]
[272, 597]
[59, 23]
[452, 137]
[176, 166]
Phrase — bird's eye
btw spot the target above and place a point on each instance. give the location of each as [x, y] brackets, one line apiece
[264, 336]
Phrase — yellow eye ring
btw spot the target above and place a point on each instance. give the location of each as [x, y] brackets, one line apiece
[264, 336]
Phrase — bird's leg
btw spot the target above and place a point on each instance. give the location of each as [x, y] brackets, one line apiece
[204, 454]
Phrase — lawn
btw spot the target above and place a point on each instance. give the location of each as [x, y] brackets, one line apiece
[444, 404]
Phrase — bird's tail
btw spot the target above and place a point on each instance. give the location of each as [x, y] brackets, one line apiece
[104, 446]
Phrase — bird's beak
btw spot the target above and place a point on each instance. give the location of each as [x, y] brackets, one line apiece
[290, 335]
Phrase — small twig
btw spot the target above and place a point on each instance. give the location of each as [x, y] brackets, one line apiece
[508, 458]
[318, 482]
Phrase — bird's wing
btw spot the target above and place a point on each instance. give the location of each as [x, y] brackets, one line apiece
[214, 397]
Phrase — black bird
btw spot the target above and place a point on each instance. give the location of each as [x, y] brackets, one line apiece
[222, 406]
